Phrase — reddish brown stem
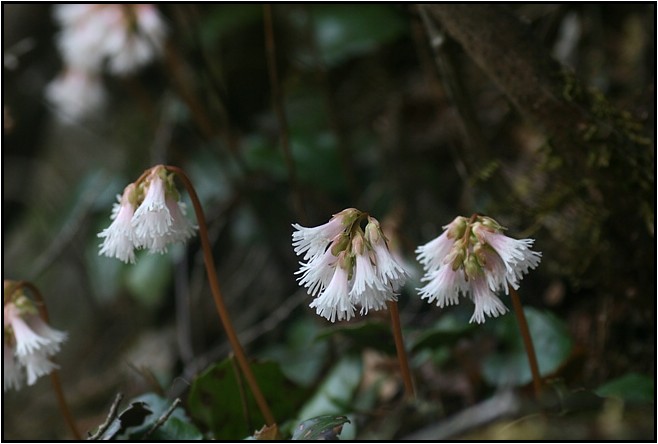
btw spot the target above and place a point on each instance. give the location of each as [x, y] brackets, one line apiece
[527, 341]
[401, 351]
[219, 300]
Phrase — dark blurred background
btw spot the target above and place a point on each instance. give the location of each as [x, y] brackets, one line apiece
[378, 119]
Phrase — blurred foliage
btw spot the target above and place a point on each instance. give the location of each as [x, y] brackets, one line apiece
[372, 124]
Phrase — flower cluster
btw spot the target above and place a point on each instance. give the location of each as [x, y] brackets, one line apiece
[29, 342]
[347, 266]
[148, 215]
[473, 258]
[117, 37]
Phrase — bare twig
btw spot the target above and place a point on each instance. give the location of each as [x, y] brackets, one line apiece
[163, 418]
[111, 416]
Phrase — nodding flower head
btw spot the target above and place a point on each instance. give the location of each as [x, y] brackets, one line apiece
[472, 257]
[29, 342]
[346, 266]
[149, 215]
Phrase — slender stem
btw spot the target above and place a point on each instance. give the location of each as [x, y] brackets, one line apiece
[277, 103]
[402, 353]
[54, 375]
[527, 341]
[219, 301]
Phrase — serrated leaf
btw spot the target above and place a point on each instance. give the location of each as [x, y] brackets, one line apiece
[325, 428]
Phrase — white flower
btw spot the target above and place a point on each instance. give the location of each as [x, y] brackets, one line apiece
[346, 267]
[11, 369]
[181, 228]
[76, 93]
[334, 303]
[516, 254]
[485, 300]
[119, 237]
[158, 220]
[37, 365]
[432, 254]
[141, 40]
[317, 273]
[474, 259]
[313, 241]
[368, 289]
[127, 36]
[391, 274]
[29, 341]
[444, 286]
[152, 220]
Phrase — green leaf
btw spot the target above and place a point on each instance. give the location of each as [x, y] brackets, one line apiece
[216, 402]
[334, 396]
[301, 357]
[510, 367]
[325, 428]
[344, 31]
[630, 387]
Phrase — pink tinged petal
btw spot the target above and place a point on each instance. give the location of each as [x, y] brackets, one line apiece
[317, 273]
[54, 337]
[368, 290]
[389, 271]
[333, 303]
[374, 299]
[181, 228]
[365, 276]
[515, 253]
[119, 236]
[152, 220]
[486, 302]
[36, 365]
[432, 254]
[11, 369]
[313, 241]
[444, 286]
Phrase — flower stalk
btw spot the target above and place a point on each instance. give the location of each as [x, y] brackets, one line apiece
[219, 300]
[527, 341]
[401, 351]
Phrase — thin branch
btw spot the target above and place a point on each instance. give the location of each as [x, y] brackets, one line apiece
[111, 416]
[163, 418]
